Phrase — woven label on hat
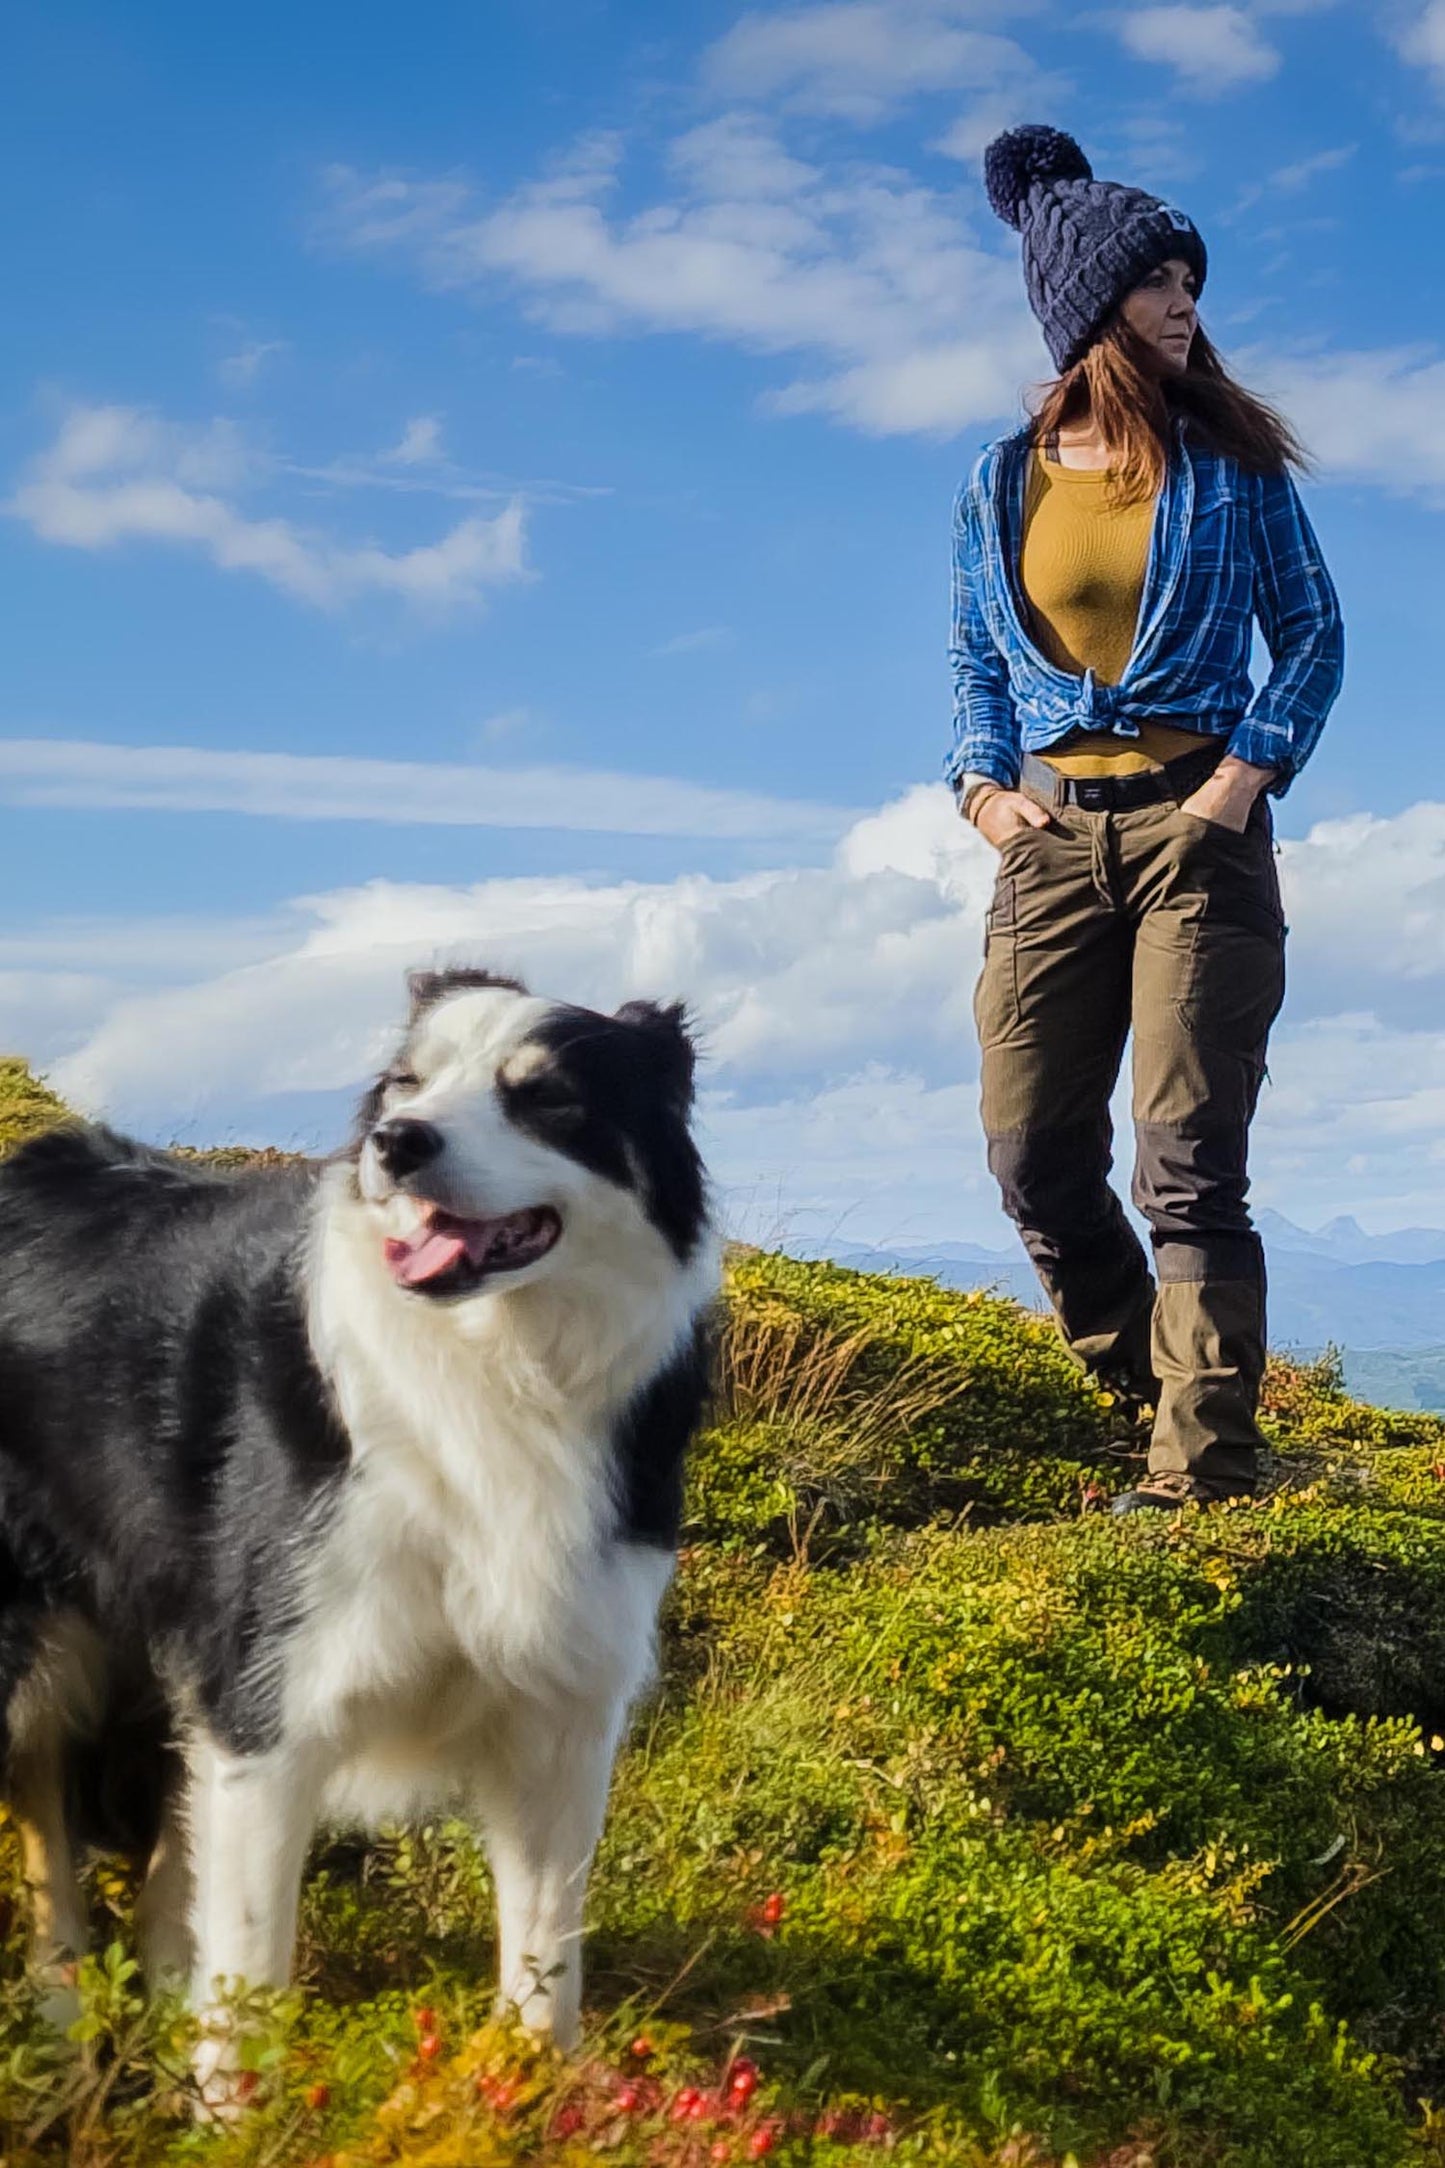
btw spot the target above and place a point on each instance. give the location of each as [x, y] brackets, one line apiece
[1179, 220]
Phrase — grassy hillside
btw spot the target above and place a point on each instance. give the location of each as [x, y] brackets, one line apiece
[965, 1824]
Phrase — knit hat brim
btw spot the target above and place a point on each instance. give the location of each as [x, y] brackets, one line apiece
[1123, 259]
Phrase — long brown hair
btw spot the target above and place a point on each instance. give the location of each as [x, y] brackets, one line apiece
[1118, 386]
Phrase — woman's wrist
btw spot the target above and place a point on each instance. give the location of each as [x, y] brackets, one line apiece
[973, 790]
[1242, 778]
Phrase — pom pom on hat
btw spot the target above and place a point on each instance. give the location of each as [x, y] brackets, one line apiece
[1024, 157]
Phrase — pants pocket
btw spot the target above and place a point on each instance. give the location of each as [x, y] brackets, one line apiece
[1234, 980]
[996, 997]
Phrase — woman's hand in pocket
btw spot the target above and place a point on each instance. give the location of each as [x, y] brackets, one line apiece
[1227, 797]
[1003, 814]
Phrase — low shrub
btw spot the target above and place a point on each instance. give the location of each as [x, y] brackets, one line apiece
[966, 1824]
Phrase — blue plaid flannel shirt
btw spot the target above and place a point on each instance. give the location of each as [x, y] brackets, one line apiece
[1227, 548]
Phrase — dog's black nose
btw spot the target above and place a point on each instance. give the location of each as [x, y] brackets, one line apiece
[402, 1145]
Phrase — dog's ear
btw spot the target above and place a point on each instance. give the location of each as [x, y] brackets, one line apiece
[427, 988]
[670, 1041]
[424, 988]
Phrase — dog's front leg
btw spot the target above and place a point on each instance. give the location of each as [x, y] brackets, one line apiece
[541, 1806]
[251, 1818]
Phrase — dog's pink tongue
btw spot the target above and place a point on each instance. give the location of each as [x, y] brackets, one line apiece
[431, 1251]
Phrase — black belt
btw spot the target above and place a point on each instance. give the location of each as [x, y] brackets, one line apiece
[1118, 793]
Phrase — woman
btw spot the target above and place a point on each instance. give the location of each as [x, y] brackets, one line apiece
[1110, 560]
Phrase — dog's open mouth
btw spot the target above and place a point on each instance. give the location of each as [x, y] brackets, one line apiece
[451, 1256]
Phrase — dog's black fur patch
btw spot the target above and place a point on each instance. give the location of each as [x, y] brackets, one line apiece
[163, 1426]
[652, 1440]
[615, 1094]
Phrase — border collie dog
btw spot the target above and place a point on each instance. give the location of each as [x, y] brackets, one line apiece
[346, 1491]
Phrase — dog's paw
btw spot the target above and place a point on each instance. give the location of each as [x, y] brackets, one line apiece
[223, 2089]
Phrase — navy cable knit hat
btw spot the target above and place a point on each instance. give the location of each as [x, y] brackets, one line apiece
[1087, 243]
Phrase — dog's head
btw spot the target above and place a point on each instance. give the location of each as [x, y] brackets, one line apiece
[506, 1125]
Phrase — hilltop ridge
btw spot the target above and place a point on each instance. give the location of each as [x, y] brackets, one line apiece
[972, 1825]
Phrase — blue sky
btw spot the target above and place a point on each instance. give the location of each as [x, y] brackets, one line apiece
[498, 461]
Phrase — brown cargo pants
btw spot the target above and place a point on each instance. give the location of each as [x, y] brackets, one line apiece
[1155, 920]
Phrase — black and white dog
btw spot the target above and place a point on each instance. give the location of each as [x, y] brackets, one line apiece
[343, 1491]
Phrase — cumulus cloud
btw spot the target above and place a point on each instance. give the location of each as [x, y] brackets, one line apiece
[1374, 415]
[119, 474]
[1211, 49]
[858, 59]
[896, 305]
[334, 787]
[900, 318]
[833, 1002]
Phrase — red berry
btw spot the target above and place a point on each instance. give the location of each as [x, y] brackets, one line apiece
[762, 2141]
[773, 1906]
[720, 2150]
[568, 2121]
[684, 2103]
[743, 2079]
[246, 2083]
[627, 2099]
[641, 2048]
[429, 2047]
[318, 2097]
[878, 2130]
[424, 2018]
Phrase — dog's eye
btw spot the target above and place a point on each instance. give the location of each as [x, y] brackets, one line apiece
[544, 1092]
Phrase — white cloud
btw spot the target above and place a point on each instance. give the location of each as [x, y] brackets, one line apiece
[1212, 49]
[1421, 41]
[834, 1003]
[902, 321]
[694, 643]
[1372, 415]
[794, 972]
[420, 445]
[118, 474]
[1292, 180]
[857, 59]
[295, 786]
[241, 369]
[1299, 175]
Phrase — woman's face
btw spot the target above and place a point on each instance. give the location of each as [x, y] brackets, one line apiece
[1162, 311]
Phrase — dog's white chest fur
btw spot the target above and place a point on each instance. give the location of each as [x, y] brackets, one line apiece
[469, 1563]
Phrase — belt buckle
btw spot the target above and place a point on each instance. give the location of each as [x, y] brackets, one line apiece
[1093, 793]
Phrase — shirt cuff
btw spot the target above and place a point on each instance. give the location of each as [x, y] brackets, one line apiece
[973, 779]
[984, 766]
[1263, 745]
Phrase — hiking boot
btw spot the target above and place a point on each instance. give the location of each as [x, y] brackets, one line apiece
[1169, 1494]
[1145, 1501]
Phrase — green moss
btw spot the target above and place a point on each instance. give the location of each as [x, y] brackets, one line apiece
[26, 1105]
[1093, 1842]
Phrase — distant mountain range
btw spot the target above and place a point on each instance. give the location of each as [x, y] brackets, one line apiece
[1381, 1298]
